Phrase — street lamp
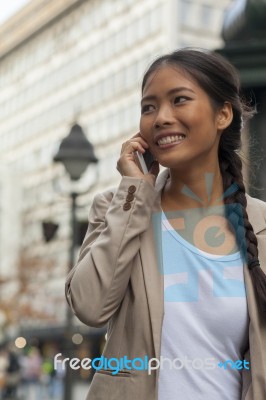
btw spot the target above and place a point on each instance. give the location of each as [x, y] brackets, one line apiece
[75, 153]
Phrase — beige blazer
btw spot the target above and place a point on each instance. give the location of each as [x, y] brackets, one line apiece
[117, 280]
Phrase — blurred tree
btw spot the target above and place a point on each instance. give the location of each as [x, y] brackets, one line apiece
[23, 297]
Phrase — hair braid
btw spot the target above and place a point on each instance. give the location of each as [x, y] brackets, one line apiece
[236, 213]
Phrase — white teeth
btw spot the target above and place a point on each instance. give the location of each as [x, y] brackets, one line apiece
[170, 139]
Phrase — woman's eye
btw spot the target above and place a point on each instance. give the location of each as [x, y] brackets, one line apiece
[147, 108]
[180, 99]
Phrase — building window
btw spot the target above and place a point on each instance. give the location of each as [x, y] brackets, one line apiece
[206, 15]
[185, 10]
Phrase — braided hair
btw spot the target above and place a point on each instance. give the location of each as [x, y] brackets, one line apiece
[220, 80]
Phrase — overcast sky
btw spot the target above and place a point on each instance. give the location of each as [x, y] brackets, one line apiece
[8, 8]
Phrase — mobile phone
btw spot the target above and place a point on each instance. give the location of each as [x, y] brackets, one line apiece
[144, 161]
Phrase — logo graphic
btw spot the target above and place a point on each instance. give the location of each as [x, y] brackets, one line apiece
[195, 240]
[238, 364]
[125, 365]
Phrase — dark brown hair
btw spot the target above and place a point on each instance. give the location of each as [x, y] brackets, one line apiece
[220, 80]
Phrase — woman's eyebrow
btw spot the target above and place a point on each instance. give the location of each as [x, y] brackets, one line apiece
[174, 90]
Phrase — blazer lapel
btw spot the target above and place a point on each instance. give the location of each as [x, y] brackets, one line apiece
[152, 265]
[257, 326]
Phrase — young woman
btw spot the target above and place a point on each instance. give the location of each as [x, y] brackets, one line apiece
[175, 263]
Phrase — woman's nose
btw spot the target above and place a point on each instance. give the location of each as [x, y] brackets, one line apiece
[163, 117]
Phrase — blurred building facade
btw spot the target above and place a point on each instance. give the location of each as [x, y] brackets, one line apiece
[64, 61]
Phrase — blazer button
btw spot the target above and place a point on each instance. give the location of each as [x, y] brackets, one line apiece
[126, 206]
[130, 197]
[132, 189]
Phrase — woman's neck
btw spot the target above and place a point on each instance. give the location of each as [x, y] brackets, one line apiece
[193, 189]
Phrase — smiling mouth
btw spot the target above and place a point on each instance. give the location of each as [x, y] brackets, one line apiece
[171, 139]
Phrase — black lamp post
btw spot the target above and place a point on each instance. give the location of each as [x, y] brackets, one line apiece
[76, 153]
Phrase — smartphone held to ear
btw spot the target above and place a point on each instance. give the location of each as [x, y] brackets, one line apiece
[144, 161]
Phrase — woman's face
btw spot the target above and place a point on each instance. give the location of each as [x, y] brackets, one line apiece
[178, 121]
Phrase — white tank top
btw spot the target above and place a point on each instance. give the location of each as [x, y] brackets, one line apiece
[205, 321]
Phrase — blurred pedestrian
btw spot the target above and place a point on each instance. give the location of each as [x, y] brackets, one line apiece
[13, 376]
[56, 386]
[3, 369]
[31, 365]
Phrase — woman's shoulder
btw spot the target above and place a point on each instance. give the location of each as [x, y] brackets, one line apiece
[106, 194]
[253, 201]
[256, 210]
[104, 198]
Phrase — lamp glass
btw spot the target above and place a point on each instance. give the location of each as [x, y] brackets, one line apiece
[75, 167]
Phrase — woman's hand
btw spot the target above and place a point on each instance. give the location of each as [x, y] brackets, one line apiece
[126, 164]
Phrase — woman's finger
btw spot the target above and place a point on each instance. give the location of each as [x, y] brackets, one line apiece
[134, 145]
[137, 139]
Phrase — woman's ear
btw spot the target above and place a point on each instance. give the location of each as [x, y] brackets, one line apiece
[224, 116]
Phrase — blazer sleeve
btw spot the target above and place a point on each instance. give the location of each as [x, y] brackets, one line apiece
[97, 284]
